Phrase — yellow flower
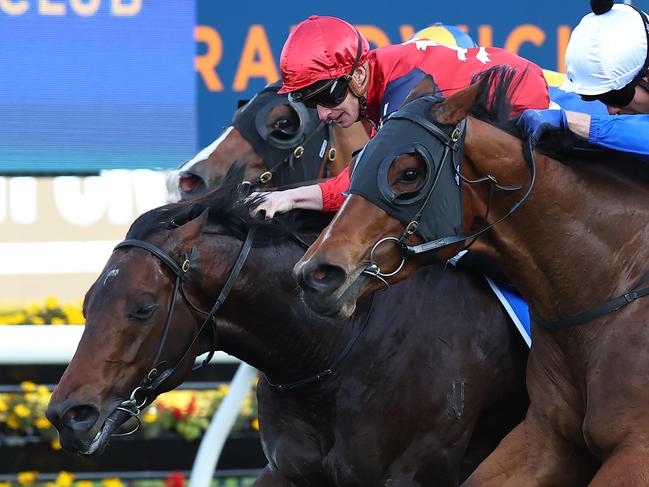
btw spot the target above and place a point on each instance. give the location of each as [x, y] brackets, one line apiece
[12, 422]
[43, 391]
[28, 386]
[51, 303]
[64, 479]
[58, 321]
[150, 416]
[255, 424]
[5, 484]
[27, 478]
[112, 483]
[42, 423]
[38, 320]
[83, 483]
[21, 410]
[3, 405]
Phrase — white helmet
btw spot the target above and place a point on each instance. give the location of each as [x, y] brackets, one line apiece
[607, 52]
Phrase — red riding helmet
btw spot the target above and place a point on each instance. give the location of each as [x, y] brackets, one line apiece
[320, 48]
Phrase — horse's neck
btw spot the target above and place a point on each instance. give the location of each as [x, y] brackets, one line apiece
[346, 141]
[269, 326]
[578, 240]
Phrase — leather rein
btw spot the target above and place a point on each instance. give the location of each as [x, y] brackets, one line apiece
[160, 371]
[374, 270]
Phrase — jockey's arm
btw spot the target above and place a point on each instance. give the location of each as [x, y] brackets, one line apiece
[326, 196]
[626, 133]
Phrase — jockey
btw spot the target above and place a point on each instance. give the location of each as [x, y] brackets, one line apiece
[607, 59]
[327, 64]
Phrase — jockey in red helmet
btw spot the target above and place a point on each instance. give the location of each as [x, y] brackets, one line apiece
[327, 64]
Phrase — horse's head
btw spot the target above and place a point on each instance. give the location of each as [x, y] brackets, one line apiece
[138, 338]
[270, 136]
[405, 190]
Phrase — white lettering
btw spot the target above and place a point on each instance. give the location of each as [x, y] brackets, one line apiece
[80, 201]
[3, 199]
[23, 200]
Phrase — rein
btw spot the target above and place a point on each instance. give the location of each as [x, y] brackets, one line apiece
[291, 386]
[153, 379]
[598, 311]
[139, 397]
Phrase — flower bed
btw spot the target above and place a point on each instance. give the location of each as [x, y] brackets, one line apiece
[186, 413]
[51, 312]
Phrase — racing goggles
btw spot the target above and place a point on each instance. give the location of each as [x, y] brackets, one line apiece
[614, 98]
[328, 93]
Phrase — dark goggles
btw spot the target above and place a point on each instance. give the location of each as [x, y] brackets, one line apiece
[328, 93]
[614, 98]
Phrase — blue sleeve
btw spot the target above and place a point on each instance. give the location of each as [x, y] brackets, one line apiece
[626, 133]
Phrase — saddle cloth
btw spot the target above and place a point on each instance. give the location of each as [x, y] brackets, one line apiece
[516, 308]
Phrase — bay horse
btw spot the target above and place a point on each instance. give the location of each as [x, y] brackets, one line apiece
[280, 143]
[566, 223]
[405, 392]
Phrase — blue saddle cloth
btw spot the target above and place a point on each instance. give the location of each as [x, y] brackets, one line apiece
[516, 308]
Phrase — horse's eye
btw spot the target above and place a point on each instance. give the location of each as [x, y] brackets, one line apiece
[143, 312]
[410, 175]
[281, 123]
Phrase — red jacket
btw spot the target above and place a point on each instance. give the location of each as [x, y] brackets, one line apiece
[395, 70]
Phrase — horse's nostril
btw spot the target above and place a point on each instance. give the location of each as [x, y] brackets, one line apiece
[80, 418]
[187, 182]
[324, 278]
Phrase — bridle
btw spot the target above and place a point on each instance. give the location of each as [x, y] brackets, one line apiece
[308, 145]
[453, 143]
[374, 270]
[158, 373]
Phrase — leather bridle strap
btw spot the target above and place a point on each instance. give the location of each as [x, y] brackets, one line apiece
[152, 380]
[291, 386]
[528, 152]
[596, 312]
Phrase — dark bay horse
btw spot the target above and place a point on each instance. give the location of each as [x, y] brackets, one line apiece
[420, 390]
[280, 143]
[572, 236]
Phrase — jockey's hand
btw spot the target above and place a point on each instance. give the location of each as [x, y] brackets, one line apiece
[534, 123]
[274, 202]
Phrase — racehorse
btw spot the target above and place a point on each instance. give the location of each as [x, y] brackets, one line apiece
[377, 399]
[570, 235]
[280, 143]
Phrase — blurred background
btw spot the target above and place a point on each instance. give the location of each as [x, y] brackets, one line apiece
[97, 99]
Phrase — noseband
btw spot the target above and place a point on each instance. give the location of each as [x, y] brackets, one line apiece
[139, 397]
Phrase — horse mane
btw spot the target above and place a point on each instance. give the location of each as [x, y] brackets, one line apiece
[493, 105]
[228, 208]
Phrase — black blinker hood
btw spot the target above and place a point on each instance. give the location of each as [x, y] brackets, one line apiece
[412, 130]
[250, 121]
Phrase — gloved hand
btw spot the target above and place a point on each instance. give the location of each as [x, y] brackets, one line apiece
[534, 123]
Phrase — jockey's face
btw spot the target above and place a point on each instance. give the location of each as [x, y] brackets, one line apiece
[639, 104]
[344, 114]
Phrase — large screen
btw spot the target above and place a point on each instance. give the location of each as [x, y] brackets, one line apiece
[96, 84]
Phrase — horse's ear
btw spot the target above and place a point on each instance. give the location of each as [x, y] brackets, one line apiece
[426, 86]
[191, 230]
[458, 106]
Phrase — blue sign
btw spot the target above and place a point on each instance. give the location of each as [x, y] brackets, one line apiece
[94, 84]
[238, 44]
